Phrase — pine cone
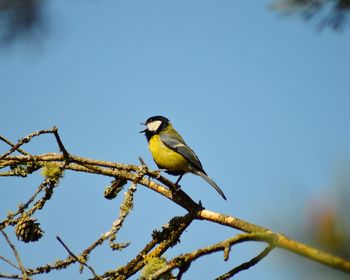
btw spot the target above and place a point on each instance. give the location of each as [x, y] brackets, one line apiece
[27, 229]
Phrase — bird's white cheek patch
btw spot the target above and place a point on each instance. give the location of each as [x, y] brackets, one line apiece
[153, 126]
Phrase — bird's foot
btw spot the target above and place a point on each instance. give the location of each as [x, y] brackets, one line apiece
[158, 172]
[177, 187]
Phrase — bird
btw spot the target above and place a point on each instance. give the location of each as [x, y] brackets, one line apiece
[171, 153]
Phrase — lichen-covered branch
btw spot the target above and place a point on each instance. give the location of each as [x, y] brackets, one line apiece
[161, 241]
[183, 262]
[18, 162]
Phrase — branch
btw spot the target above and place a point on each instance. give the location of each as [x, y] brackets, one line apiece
[13, 248]
[22, 207]
[82, 262]
[29, 137]
[180, 198]
[168, 237]
[247, 265]
[10, 276]
[8, 142]
[83, 256]
[183, 262]
[281, 242]
[59, 142]
[9, 262]
[25, 140]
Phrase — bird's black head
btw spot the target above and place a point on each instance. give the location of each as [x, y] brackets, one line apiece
[154, 125]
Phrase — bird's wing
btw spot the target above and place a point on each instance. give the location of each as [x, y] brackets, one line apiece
[179, 146]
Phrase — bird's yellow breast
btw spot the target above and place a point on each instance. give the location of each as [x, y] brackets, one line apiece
[166, 158]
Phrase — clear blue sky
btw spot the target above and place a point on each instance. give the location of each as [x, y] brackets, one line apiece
[263, 100]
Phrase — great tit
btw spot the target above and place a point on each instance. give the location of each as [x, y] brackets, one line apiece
[171, 153]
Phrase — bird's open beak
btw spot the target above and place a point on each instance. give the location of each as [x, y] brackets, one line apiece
[144, 129]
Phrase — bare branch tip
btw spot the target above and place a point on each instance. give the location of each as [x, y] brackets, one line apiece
[142, 161]
[227, 250]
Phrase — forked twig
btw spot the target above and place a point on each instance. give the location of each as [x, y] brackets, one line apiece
[15, 253]
[25, 140]
[8, 142]
[78, 259]
[184, 261]
[246, 265]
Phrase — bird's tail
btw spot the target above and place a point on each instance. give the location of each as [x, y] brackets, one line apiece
[211, 182]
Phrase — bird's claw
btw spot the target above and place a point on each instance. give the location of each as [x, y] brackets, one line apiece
[177, 187]
[158, 174]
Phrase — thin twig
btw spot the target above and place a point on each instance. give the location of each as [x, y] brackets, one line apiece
[14, 250]
[184, 261]
[8, 142]
[248, 264]
[9, 262]
[11, 276]
[78, 259]
[59, 142]
[24, 206]
[59, 264]
[25, 140]
[166, 238]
